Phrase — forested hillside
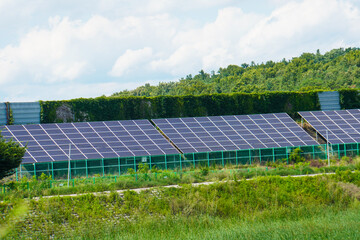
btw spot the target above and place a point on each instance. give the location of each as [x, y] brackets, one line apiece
[338, 68]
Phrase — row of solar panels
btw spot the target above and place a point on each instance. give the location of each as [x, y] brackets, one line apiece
[112, 139]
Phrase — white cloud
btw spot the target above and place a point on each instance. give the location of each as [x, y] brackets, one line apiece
[302, 26]
[118, 42]
[130, 59]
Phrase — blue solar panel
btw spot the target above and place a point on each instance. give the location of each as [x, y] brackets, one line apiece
[87, 140]
[341, 126]
[233, 132]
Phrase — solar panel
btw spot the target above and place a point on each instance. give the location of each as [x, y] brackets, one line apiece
[225, 133]
[339, 126]
[88, 140]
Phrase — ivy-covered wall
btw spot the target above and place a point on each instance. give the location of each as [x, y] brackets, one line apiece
[121, 108]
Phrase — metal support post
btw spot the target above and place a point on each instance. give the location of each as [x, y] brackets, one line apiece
[327, 147]
[208, 158]
[69, 166]
[236, 157]
[150, 161]
[135, 164]
[250, 155]
[34, 169]
[313, 148]
[260, 155]
[287, 155]
[194, 159]
[166, 162]
[222, 158]
[52, 170]
[180, 162]
[103, 167]
[119, 166]
[273, 152]
[86, 168]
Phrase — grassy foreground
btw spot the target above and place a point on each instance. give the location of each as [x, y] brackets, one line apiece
[322, 207]
[45, 186]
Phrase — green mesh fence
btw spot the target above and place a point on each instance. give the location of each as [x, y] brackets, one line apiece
[119, 166]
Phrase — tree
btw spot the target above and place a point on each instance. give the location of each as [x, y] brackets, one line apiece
[11, 154]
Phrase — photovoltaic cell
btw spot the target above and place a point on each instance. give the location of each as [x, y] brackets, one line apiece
[338, 126]
[225, 133]
[88, 140]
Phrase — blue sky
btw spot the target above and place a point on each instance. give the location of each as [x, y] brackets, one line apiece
[62, 49]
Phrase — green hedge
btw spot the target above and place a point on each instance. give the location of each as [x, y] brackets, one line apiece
[121, 108]
[349, 98]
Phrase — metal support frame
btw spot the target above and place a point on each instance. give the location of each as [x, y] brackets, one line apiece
[180, 162]
[194, 159]
[165, 162]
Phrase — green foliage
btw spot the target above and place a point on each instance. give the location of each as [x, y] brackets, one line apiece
[295, 156]
[143, 168]
[338, 68]
[44, 185]
[11, 154]
[14, 216]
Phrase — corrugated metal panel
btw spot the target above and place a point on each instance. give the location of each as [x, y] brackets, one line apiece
[25, 112]
[329, 100]
[2, 114]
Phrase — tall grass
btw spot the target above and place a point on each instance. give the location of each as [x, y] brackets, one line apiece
[267, 208]
[44, 186]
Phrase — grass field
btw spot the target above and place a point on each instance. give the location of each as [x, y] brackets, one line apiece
[322, 207]
[45, 186]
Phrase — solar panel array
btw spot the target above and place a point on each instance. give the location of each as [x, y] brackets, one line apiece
[341, 126]
[225, 133]
[88, 140]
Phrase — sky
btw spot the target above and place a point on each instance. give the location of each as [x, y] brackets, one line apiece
[65, 49]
